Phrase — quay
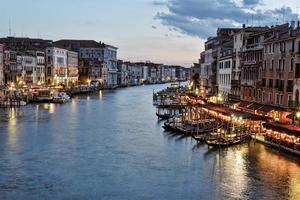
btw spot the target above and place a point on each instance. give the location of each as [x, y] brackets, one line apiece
[204, 119]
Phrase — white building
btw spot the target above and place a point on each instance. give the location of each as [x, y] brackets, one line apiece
[110, 60]
[145, 73]
[28, 64]
[224, 74]
[57, 66]
[1, 64]
[40, 67]
[72, 64]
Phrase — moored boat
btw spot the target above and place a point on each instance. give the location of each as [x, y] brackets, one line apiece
[61, 97]
[225, 141]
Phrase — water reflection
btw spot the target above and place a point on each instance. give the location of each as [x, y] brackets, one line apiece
[12, 128]
[113, 143]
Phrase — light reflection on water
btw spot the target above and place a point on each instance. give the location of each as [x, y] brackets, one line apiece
[111, 146]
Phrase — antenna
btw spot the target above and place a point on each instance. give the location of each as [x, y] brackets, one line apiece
[9, 28]
[283, 15]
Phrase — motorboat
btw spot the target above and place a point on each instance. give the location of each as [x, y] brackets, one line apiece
[61, 97]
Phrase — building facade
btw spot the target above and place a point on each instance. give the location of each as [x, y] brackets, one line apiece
[1, 64]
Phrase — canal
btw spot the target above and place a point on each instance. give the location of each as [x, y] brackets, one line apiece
[111, 146]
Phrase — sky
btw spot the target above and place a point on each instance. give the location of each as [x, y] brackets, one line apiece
[163, 31]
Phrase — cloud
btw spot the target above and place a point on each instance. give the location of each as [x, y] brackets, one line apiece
[159, 3]
[154, 27]
[201, 18]
[251, 2]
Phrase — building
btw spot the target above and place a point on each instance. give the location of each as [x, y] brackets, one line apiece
[238, 47]
[72, 65]
[226, 66]
[28, 63]
[57, 72]
[110, 60]
[1, 64]
[12, 70]
[278, 75]
[225, 60]
[24, 44]
[97, 61]
[208, 64]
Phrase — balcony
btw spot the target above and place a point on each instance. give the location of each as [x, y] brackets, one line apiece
[250, 62]
[293, 104]
[235, 82]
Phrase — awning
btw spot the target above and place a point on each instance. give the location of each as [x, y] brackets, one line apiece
[268, 108]
[286, 128]
[228, 112]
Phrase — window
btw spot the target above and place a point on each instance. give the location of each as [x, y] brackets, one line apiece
[290, 86]
[297, 74]
[272, 65]
[270, 97]
[289, 99]
[270, 82]
[292, 65]
[281, 99]
[283, 65]
[277, 99]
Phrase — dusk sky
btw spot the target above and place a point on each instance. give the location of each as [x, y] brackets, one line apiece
[170, 32]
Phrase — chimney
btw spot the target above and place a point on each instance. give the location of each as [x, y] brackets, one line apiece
[291, 31]
[292, 24]
[244, 26]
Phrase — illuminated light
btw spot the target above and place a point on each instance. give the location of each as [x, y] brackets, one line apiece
[298, 114]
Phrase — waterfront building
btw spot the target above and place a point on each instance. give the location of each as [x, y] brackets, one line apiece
[72, 64]
[295, 68]
[208, 67]
[224, 60]
[62, 66]
[238, 45]
[110, 60]
[278, 67]
[40, 67]
[226, 65]
[97, 61]
[252, 71]
[145, 73]
[24, 44]
[123, 73]
[1, 64]
[12, 71]
[28, 63]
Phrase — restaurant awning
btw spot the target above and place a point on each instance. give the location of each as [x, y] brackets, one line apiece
[228, 112]
[286, 128]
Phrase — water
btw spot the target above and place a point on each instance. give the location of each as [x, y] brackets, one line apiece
[111, 146]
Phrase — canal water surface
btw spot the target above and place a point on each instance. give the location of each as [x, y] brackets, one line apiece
[111, 146]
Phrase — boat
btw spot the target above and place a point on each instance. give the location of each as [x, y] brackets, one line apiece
[198, 127]
[224, 142]
[61, 97]
[164, 116]
[169, 126]
[43, 95]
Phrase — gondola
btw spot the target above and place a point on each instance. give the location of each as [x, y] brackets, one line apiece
[163, 116]
[222, 142]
